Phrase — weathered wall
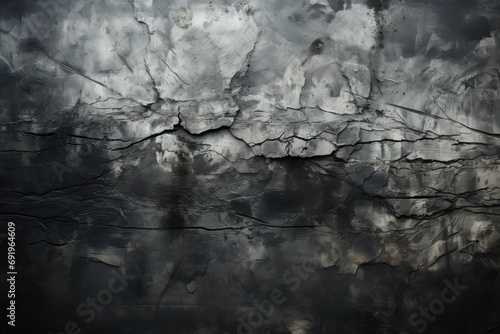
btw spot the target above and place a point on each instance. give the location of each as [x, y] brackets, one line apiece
[253, 167]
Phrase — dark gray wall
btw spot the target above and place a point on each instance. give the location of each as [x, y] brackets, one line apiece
[252, 167]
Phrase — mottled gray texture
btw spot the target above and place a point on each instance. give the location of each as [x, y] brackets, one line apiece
[207, 148]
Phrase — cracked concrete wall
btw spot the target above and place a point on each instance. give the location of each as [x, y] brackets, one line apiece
[344, 153]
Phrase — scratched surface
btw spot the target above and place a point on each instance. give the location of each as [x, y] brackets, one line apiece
[252, 167]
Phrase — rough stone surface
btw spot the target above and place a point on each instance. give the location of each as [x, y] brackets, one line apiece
[254, 167]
